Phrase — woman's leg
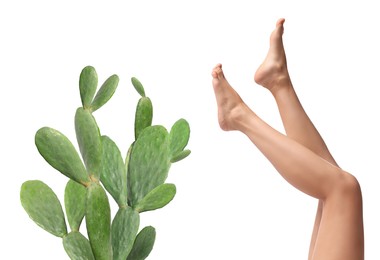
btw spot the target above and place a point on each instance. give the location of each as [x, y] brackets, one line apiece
[273, 75]
[340, 233]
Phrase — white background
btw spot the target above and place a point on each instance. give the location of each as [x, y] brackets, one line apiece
[230, 202]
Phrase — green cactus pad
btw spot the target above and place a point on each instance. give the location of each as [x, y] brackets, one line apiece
[128, 157]
[143, 244]
[125, 226]
[114, 174]
[157, 198]
[179, 136]
[88, 137]
[144, 115]
[180, 156]
[149, 163]
[77, 246]
[60, 153]
[75, 204]
[98, 222]
[88, 82]
[105, 92]
[138, 86]
[43, 207]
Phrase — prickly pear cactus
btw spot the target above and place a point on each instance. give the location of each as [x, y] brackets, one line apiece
[136, 183]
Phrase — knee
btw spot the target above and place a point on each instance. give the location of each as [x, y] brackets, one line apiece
[348, 185]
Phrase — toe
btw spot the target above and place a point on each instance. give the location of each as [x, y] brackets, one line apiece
[217, 72]
[220, 73]
[280, 26]
[277, 33]
[219, 65]
[280, 22]
[214, 72]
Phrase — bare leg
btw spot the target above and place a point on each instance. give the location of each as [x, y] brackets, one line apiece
[273, 75]
[341, 232]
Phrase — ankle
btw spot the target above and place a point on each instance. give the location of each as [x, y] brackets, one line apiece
[238, 116]
[280, 85]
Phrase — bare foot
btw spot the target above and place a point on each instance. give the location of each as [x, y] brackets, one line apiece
[273, 72]
[230, 105]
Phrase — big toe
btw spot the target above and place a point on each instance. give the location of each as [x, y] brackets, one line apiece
[280, 22]
[217, 72]
[279, 30]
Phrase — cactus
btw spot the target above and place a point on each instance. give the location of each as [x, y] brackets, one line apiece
[114, 173]
[60, 153]
[88, 82]
[88, 137]
[77, 246]
[137, 184]
[98, 221]
[143, 244]
[105, 92]
[157, 198]
[75, 204]
[43, 206]
[149, 163]
[125, 226]
[179, 137]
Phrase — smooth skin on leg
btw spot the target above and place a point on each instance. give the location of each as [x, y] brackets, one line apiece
[305, 164]
[273, 75]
